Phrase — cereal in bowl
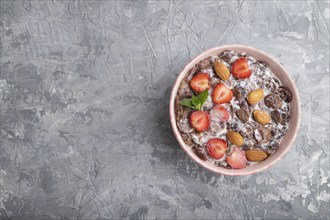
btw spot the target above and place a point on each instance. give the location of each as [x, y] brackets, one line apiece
[232, 110]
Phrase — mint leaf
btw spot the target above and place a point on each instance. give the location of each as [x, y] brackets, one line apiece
[188, 103]
[195, 101]
[199, 106]
[203, 96]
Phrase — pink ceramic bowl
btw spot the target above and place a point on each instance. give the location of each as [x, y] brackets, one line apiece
[286, 80]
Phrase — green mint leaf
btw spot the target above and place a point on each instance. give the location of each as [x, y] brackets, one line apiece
[203, 96]
[199, 106]
[188, 103]
[195, 101]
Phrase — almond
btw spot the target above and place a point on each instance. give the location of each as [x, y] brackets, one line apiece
[235, 138]
[255, 155]
[221, 70]
[255, 96]
[262, 117]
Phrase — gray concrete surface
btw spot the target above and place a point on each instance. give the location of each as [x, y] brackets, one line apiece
[84, 92]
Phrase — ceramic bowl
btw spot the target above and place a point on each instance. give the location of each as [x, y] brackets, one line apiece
[285, 79]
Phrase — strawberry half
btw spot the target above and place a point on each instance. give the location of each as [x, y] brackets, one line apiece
[240, 69]
[200, 82]
[219, 114]
[221, 94]
[237, 158]
[200, 120]
[216, 147]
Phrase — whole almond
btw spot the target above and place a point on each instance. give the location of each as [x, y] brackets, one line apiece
[221, 70]
[262, 117]
[255, 155]
[235, 138]
[255, 96]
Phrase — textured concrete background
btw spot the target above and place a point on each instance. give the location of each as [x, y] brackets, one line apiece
[84, 91]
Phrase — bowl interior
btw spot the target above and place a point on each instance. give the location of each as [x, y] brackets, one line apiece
[285, 79]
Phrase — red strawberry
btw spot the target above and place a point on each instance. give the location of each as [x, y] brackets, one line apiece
[221, 94]
[237, 159]
[200, 82]
[200, 120]
[216, 147]
[219, 114]
[240, 69]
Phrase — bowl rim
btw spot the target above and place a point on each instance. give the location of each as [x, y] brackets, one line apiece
[234, 172]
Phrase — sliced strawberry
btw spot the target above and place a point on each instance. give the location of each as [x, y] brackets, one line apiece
[240, 69]
[200, 120]
[221, 94]
[219, 114]
[200, 82]
[237, 158]
[216, 147]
